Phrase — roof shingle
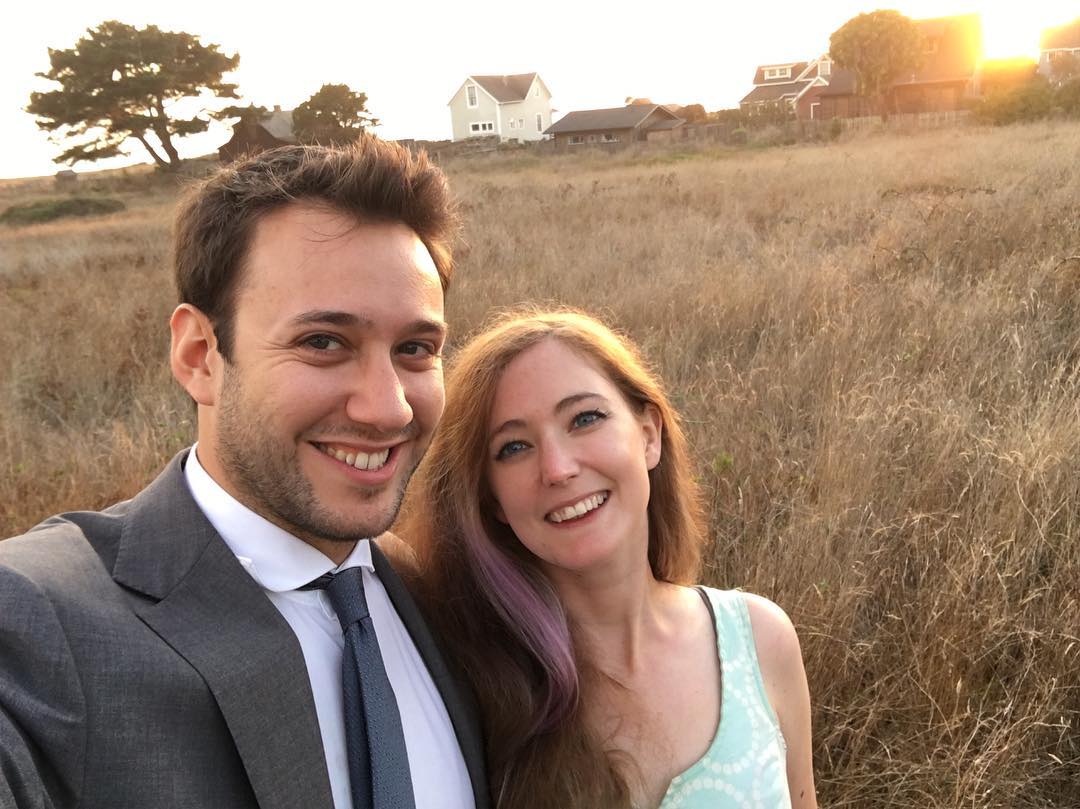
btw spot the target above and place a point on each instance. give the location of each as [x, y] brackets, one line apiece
[611, 118]
[506, 88]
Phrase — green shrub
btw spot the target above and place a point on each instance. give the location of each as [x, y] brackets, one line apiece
[47, 210]
[1031, 101]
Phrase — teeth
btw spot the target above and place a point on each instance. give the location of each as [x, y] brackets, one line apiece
[578, 509]
[361, 460]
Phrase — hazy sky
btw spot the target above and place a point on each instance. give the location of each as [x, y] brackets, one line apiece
[410, 57]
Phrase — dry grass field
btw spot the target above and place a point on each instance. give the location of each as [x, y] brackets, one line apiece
[876, 346]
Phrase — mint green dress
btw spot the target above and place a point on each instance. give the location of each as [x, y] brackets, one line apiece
[746, 765]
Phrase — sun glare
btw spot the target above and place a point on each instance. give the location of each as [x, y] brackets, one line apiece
[1010, 31]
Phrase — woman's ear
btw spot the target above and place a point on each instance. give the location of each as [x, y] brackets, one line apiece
[652, 430]
[500, 515]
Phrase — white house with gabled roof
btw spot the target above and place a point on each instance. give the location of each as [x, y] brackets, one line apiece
[515, 107]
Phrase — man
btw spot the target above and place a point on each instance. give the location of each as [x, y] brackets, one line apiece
[167, 651]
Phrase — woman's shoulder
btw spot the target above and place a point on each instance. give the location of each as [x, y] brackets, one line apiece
[775, 640]
[402, 557]
[774, 633]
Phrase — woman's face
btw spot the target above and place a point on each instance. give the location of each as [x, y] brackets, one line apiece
[568, 460]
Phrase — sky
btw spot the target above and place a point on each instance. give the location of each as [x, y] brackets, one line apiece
[410, 58]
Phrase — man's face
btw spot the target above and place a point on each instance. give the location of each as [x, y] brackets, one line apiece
[335, 384]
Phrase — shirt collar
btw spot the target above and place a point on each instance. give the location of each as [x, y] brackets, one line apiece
[276, 559]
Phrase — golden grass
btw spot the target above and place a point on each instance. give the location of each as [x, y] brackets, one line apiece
[875, 345]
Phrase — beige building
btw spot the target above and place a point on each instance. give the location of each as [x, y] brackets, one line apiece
[516, 107]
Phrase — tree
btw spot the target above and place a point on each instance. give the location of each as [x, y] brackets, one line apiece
[878, 47]
[121, 82]
[693, 113]
[333, 115]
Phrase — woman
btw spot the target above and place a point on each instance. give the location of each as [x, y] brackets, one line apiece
[559, 528]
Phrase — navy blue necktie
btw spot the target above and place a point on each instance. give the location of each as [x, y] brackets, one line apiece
[378, 761]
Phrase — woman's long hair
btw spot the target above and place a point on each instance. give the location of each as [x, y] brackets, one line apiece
[500, 617]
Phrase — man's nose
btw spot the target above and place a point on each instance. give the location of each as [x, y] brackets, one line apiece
[557, 463]
[378, 399]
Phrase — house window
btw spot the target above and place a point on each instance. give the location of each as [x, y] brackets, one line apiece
[513, 124]
[481, 126]
[521, 123]
[592, 138]
[539, 122]
[814, 109]
[576, 139]
[536, 92]
[777, 73]
[825, 68]
[931, 47]
[470, 95]
[609, 137]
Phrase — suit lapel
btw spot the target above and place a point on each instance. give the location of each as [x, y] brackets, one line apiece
[463, 712]
[209, 610]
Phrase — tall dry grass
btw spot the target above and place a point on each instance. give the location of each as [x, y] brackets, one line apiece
[876, 346]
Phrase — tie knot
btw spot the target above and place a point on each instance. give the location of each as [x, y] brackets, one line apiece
[346, 593]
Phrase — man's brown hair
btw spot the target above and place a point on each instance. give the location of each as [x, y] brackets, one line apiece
[372, 180]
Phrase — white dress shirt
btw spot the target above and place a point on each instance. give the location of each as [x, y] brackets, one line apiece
[280, 563]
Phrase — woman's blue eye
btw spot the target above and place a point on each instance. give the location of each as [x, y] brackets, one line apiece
[508, 449]
[589, 417]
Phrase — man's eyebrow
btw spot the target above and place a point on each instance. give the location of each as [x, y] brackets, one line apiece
[334, 317]
[424, 326]
[331, 316]
[564, 403]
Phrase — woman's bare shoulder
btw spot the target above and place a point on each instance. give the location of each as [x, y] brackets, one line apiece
[401, 555]
[775, 638]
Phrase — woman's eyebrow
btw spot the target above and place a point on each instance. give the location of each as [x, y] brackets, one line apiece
[564, 403]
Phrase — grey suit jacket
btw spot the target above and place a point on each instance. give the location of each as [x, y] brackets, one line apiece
[141, 668]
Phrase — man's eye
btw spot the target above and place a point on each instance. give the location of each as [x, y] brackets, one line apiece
[588, 417]
[418, 348]
[323, 342]
[510, 448]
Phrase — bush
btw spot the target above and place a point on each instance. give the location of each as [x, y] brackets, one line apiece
[1029, 102]
[49, 209]
[1067, 98]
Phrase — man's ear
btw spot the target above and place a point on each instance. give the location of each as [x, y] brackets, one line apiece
[194, 357]
[652, 430]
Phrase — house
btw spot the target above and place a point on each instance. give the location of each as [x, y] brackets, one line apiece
[634, 122]
[794, 84]
[1059, 51]
[255, 133]
[945, 79]
[516, 107]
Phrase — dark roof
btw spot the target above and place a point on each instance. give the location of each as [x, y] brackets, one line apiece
[1064, 36]
[774, 92]
[613, 118]
[841, 83]
[796, 69]
[667, 123]
[506, 88]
